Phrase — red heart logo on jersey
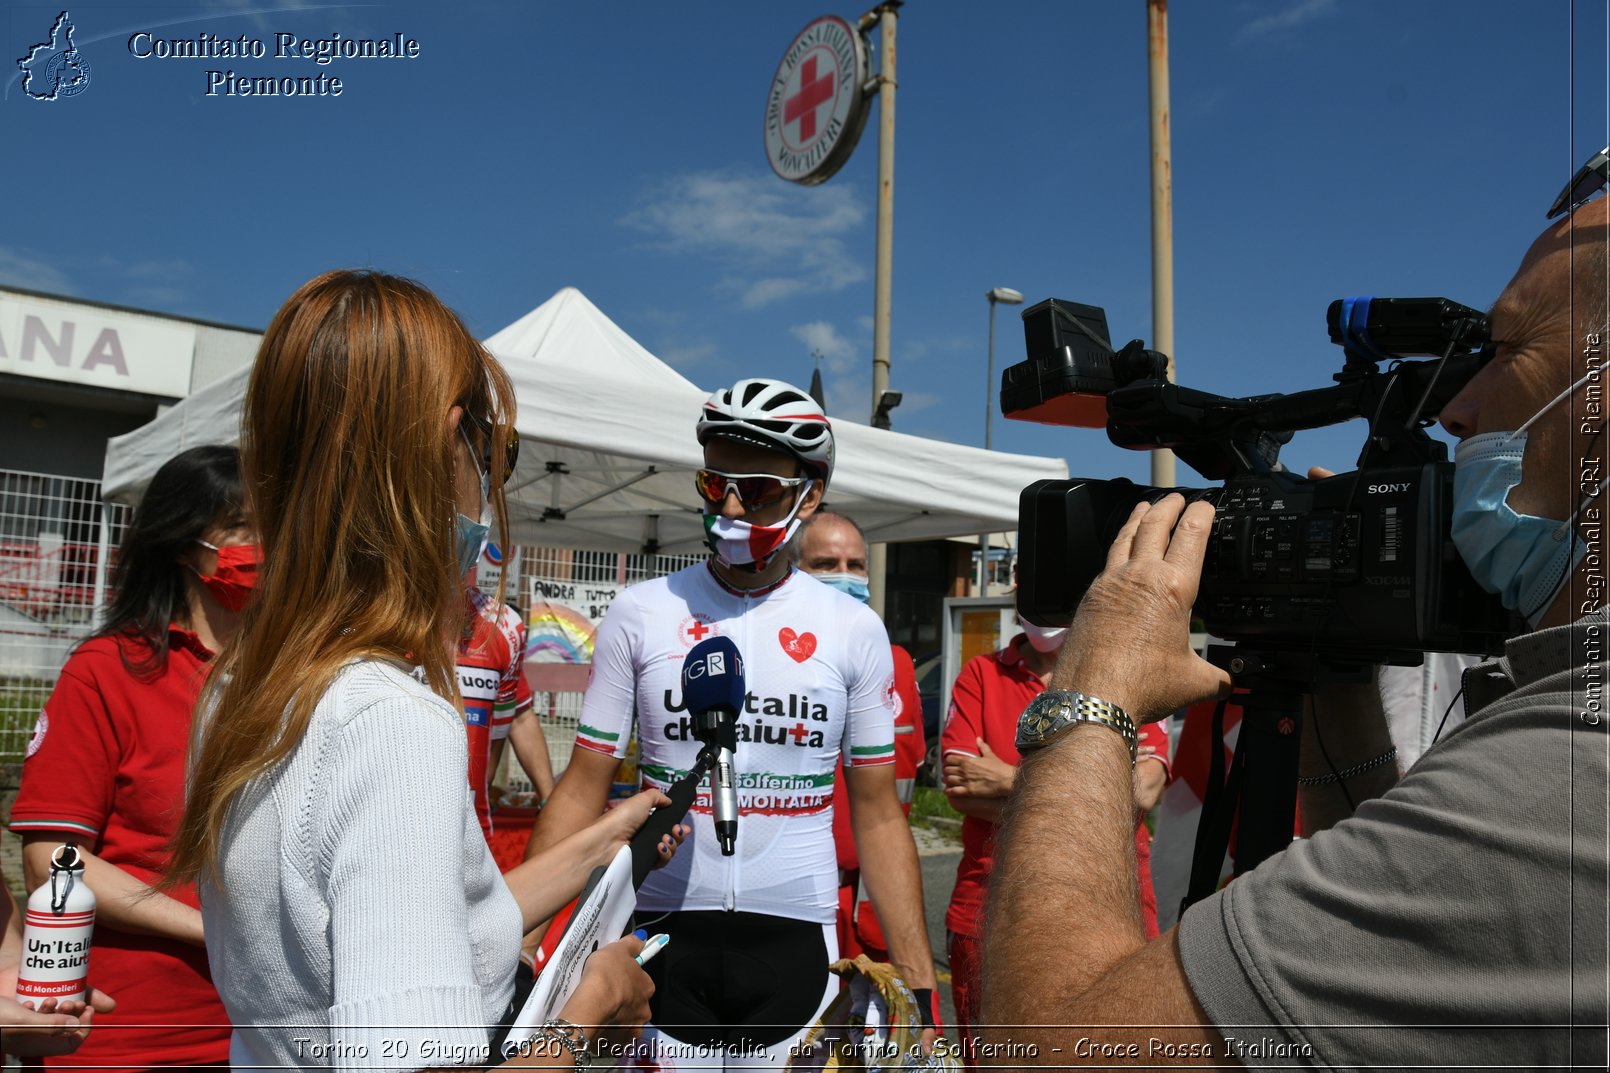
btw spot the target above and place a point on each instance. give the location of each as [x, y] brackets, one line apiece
[799, 646]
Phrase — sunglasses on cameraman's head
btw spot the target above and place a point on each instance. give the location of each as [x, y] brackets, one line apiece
[1589, 180]
[755, 490]
[511, 448]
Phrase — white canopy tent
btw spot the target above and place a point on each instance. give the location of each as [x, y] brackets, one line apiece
[607, 449]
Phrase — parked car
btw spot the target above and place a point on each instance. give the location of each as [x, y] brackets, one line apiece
[930, 687]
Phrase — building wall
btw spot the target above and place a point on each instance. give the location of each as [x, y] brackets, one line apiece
[44, 428]
[219, 352]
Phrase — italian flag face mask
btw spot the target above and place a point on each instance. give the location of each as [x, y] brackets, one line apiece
[738, 543]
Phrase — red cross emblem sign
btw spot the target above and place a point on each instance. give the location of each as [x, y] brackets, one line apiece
[695, 628]
[817, 105]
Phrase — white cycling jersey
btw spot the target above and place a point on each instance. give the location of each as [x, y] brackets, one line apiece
[820, 683]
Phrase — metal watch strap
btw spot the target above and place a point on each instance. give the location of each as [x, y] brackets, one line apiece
[1058, 708]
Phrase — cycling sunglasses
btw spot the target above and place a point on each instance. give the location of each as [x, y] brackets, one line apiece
[754, 490]
[1589, 180]
[511, 449]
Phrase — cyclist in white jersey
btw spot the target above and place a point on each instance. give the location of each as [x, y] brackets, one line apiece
[752, 934]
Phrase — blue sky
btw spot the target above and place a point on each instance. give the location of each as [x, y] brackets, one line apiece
[1321, 148]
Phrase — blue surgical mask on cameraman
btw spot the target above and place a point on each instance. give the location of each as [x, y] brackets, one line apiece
[1523, 558]
[850, 584]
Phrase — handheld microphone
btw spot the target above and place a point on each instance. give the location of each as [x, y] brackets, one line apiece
[713, 691]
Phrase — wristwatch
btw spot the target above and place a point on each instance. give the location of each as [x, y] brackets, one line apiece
[1055, 709]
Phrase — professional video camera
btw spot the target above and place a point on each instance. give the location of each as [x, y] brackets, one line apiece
[1308, 576]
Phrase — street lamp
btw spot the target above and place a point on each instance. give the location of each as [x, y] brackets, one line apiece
[1012, 298]
[996, 296]
[886, 402]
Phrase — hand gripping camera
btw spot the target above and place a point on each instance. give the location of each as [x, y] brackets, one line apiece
[1307, 576]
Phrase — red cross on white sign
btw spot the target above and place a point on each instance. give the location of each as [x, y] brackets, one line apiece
[818, 101]
[814, 91]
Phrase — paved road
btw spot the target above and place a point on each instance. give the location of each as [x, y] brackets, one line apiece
[938, 876]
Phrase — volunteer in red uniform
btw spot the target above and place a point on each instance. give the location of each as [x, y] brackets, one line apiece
[980, 761]
[106, 764]
[493, 686]
[833, 549]
[515, 722]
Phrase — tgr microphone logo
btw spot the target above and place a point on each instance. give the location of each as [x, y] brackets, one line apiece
[713, 664]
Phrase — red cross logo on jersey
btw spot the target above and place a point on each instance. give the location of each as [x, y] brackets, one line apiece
[800, 733]
[814, 91]
[694, 629]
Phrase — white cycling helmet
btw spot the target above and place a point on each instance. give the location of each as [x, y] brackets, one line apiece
[774, 415]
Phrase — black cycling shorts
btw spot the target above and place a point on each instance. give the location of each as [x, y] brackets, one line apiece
[736, 978]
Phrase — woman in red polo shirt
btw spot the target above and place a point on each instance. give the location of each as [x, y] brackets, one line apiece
[106, 765]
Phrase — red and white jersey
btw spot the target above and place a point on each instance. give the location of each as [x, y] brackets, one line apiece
[493, 687]
[820, 684]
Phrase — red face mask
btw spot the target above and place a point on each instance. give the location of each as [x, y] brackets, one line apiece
[235, 579]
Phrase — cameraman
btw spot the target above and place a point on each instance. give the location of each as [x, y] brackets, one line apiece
[1456, 919]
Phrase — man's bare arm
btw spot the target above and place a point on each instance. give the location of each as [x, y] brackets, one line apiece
[577, 800]
[1067, 965]
[1063, 940]
[890, 868]
[1350, 723]
[531, 750]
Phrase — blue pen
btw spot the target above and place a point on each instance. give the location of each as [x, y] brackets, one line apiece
[652, 947]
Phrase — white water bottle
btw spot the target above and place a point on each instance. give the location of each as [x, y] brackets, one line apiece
[56, 933]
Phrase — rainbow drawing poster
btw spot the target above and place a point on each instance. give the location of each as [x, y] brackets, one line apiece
[563, 618]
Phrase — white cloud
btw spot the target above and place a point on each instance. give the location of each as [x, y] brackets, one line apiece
[18, 269]
[772, 240]
[1288, 18]
[837, 351]
[154, 284]
[846, 369]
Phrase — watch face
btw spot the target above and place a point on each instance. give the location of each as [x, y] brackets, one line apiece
[1040, 718]
[1051, 712]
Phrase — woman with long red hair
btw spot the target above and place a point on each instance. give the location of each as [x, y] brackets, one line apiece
[354, 915]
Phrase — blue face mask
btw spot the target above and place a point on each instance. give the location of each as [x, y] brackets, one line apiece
[850, 584]
[469, 537]
[1523, 558]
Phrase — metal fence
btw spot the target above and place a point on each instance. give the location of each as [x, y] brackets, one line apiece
[559, 711]
[57, 540]
[57, 545]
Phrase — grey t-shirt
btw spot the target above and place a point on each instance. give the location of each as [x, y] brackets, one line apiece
[1459, 919]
